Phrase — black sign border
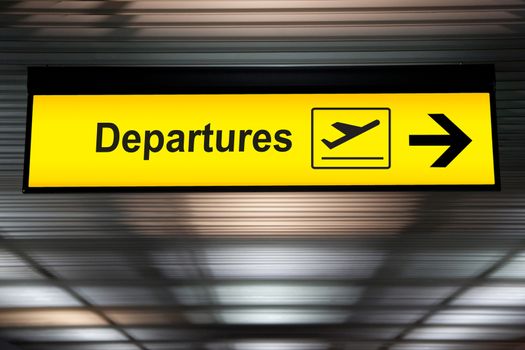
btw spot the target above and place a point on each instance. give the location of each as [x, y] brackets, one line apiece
[261, 80]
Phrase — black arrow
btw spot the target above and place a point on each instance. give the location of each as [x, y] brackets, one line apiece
[456, 140]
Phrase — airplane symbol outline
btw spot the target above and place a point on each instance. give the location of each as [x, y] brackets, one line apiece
[350, 131]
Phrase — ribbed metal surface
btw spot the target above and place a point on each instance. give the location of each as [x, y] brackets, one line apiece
[257, 271]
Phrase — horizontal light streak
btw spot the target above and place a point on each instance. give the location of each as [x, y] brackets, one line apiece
[49, 318]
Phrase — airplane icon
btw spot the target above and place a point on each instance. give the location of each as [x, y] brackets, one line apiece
[350, 131]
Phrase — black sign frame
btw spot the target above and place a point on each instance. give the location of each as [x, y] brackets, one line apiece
[261, 80]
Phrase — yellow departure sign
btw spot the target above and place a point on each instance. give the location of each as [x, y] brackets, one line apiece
[260, 128]
[261, 140]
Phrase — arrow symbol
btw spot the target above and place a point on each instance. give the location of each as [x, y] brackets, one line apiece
[456, 140]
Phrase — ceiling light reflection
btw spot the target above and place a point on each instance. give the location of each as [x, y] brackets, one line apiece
[269, 345]
[283, 294]
[284, 316]
[292, 261]
[478, 317]
[35, 296]
[494, 295]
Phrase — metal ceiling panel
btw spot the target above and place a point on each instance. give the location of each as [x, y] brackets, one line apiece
[260, 271]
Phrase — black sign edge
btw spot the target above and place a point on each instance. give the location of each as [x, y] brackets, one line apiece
[27, 145]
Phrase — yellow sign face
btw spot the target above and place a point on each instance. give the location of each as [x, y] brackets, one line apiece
[225, 140]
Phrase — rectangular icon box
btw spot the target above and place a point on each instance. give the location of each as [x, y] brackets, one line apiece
[351, 138]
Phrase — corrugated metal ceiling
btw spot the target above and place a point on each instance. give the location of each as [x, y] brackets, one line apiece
[398, 271]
